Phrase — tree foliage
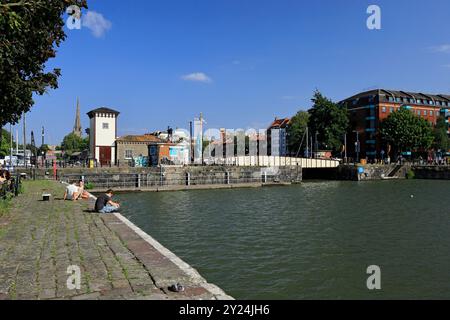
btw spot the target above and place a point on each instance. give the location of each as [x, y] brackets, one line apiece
[5, 143]
[73, 143]
[405, 131]
[30, 32]
[441, 140]
[296, 132]
[330, 121]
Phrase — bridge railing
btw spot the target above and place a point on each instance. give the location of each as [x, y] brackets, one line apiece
[273, 161]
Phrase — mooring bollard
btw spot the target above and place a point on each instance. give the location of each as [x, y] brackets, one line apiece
[188, 178]
[227, 177]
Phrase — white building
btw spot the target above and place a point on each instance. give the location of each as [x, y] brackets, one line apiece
[103, 135]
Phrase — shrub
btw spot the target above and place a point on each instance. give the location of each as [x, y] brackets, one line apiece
[89, 186]
[410, 174]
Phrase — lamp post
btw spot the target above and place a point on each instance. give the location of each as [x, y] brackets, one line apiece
[357, 146]
[316, 145]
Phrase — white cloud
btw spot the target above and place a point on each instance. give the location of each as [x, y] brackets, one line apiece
[445, 48]
[96, 23]
[197, 77]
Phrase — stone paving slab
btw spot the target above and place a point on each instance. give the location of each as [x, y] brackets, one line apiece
[40, 240]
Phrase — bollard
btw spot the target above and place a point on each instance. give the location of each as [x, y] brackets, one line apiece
[188, 178]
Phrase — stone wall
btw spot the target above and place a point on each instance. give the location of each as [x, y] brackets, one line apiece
[137, 148]
[134, 178]
[371, 172]
[432, 172]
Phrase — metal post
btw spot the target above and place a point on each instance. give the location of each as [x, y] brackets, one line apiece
[11, 145]
[357, 147]
[24, 141]
[307, 142]
[316, 144]
[345, 148]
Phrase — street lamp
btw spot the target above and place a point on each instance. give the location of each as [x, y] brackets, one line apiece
[357, 145]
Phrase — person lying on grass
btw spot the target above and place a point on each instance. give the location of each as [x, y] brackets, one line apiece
[104, 203]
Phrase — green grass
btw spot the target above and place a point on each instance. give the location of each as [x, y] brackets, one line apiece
[5, 205]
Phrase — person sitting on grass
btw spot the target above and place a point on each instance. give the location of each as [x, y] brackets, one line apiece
[72, 192]
[83, 193]
[104, 203]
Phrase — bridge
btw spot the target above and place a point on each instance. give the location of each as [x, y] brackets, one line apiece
[273, 161]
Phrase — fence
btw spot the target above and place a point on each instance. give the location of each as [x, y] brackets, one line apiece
[179, 177]
[244, 161]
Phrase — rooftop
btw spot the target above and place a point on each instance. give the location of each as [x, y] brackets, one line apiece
[401, 94]
[102, 110]
[279, 123]
[140, 138]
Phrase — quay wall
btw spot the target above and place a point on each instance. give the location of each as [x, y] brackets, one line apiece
[432, 172]
[165, 178]
[371, 172]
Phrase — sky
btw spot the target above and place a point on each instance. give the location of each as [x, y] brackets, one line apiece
[241, 63]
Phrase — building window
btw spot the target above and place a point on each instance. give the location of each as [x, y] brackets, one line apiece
[391, 99]
[419, 101]
[398, 99]
[128, 154]
[431, 112]
[392, 109]
[411, 100]
[430, 102]
[105, 125]
[383, 109]
[419, 112]
[425, 113]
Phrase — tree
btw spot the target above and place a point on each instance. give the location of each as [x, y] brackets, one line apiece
[329, 121]
[5, 143]
[407, 132]
[30, 32]
[441, 140]
[296, 132]
[73, 143]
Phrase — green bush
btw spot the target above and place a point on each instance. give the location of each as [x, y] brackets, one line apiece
[410, 174]
[89, 186]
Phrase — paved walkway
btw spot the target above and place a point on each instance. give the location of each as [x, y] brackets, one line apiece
[40, 240]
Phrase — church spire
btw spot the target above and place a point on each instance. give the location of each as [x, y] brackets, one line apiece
[77, 127]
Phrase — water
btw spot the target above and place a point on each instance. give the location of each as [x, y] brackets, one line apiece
[310, 241]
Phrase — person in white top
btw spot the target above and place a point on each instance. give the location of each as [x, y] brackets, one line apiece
[72, 192]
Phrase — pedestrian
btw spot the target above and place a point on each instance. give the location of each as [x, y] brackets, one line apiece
[104, 203]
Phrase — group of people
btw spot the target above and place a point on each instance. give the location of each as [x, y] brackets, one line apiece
[103, 204]
[75, 191]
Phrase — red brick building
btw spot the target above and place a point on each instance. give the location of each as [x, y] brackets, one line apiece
[368, 109]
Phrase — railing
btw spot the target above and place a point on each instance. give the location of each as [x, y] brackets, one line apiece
[152, 180]
[248, 161]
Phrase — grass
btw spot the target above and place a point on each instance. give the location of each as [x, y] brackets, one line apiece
[5, 205]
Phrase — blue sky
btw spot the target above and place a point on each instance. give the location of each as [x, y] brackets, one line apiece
[253, 59]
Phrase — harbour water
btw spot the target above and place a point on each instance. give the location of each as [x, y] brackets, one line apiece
[308, 241]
